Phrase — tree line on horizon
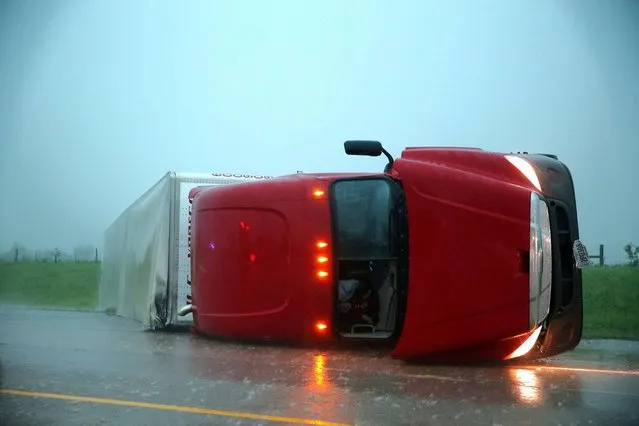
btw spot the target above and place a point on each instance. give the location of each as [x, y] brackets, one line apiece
[80, 253]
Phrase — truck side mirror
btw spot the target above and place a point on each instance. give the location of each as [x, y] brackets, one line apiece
[370, 148]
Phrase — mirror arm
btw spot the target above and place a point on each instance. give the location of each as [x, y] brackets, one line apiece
[389, 166]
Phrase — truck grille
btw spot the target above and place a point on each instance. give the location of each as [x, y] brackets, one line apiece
[560, 225]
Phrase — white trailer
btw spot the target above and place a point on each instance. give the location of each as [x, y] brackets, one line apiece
[146, 266]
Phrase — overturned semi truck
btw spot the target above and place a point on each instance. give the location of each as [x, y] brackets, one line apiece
[146, 268]
[457, 253]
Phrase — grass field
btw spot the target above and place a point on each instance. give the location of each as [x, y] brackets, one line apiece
[611, 295]
[55, 285]
[611, 303]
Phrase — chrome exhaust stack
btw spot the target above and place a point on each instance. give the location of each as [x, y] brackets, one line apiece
[185, 310]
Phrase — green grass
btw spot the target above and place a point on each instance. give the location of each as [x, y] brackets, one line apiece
[611, 295]
[54, 285]
[611, 302]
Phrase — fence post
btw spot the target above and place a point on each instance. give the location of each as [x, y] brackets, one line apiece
[96, 255]
[15, 256]
[601, 255]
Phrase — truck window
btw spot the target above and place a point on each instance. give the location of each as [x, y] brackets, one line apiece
[362, 209]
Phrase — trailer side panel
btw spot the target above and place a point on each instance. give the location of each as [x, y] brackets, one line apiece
[135, 270]
[146, 265]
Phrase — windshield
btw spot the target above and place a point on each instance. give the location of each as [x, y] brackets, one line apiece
[364, 217]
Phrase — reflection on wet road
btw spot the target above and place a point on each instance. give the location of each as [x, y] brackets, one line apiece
[125, 376]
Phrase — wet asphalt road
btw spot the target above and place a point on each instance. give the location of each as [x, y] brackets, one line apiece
[48, 353]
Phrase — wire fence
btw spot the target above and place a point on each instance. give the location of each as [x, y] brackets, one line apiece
[601, 259]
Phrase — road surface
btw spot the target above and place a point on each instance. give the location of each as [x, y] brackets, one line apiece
[72, 368]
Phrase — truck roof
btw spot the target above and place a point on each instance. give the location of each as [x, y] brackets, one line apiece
[332, 176]
[279, 188]
[209, 176]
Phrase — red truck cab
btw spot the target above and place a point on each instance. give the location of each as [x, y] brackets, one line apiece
[449, 251]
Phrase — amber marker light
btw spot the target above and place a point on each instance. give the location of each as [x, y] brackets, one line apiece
[321, 326]
[318, 193]
[321, 244]
[322, 259]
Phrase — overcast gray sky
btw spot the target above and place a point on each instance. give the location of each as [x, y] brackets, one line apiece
[100, 98]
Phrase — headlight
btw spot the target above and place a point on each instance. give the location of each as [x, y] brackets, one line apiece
[540, 281]
[526, 169]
